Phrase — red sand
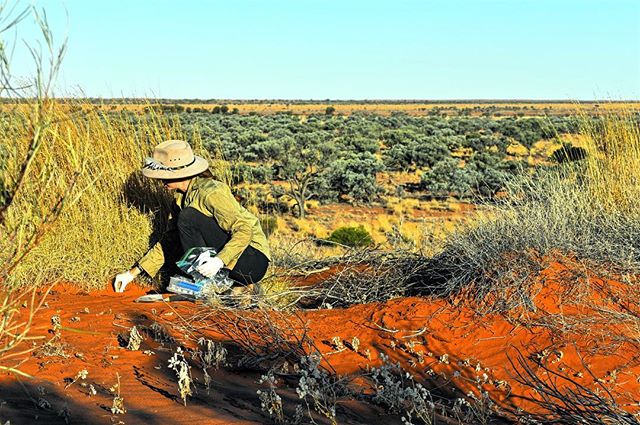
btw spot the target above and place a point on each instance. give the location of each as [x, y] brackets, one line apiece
[569, 333]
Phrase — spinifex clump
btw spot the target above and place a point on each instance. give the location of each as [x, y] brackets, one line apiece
[112, 212]
[588, 210]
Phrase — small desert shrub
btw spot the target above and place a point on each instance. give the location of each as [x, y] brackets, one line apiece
[351, 236]
[212, 354]
[270, 400]
[588, 210]
[135, 339]
[178, 363]
[318, 390]
[397, 391]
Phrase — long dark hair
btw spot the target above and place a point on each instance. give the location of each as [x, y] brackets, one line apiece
[207, 174]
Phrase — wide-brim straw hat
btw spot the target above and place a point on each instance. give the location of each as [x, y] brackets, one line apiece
[173, 159]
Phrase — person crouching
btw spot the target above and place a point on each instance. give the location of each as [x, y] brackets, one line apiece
[204, 214]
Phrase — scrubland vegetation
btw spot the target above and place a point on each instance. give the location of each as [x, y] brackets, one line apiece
[586, 210]
[277, 164]
[533, 207]
[75, 208]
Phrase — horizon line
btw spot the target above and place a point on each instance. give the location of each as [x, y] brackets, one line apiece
[328, 100]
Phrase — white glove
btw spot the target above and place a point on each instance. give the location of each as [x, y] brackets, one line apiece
[210, 267]
[122, 280]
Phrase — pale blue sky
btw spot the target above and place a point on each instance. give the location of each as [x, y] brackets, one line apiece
[310, 49]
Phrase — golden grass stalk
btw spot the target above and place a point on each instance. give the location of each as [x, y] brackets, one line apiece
[612, 165]
[25, 220]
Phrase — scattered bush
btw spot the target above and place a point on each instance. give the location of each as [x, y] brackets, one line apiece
[448, 178]
[354, 177]
[351, 236]
[361, 144]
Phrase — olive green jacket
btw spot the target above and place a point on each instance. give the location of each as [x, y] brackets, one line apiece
[213, 199]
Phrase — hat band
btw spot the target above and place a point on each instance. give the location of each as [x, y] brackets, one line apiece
[154, 165]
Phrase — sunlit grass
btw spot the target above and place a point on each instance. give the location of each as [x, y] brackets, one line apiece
[112, 212]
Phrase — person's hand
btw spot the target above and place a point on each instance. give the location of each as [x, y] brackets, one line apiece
[210, 267]
[123, 279]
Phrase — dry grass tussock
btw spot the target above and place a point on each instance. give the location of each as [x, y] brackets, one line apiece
[587, 210]
[111, 212]
[25, 221]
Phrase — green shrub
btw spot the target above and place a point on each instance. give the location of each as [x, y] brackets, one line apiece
[447, 178]
[351, 236]
[354, 176]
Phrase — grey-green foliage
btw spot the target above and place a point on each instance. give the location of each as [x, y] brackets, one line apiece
[448, 178]
[238, 133]
[490, 172]
[243, 172]
[483, 175]
[277, 146]
[411, 150]
[299, 160]
[354, 176]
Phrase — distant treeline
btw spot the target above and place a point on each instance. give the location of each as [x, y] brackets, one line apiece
[339, 157]
[333, 158]
[163, 101]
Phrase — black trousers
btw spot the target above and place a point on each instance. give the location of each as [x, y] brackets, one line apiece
[196, 229]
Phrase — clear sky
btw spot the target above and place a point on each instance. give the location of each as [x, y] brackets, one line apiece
[341, 49]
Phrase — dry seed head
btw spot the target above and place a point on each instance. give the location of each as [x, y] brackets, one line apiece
[117, 408]
[183, 371]
[56, 323]
[336, 342]
[135, 339]
[355, 343]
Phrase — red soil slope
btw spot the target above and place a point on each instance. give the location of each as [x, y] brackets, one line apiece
[582, 330]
